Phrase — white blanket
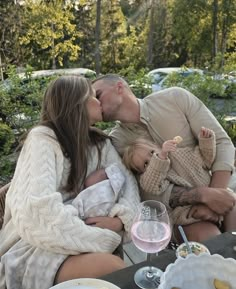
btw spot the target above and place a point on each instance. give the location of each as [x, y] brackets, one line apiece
[98, 199]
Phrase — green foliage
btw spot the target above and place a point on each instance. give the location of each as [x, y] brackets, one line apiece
[139, 82]
[56, 32]
[230, 128]
[230, 62]
[20, 101]
[7, 139]
[201, 86]
[106, 126]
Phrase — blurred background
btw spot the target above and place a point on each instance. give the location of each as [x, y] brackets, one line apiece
[154, 44]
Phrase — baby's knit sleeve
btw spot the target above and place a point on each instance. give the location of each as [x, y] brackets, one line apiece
[37, 208]
[207, 147]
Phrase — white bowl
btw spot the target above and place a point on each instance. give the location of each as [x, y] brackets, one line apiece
[199, 272]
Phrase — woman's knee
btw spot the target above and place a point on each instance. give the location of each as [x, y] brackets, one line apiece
[91, 265]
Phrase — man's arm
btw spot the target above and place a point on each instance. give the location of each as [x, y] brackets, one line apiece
[181, 196]
[220, 179]
[219, 200]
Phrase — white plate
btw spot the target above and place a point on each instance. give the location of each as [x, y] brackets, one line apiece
[85, 283]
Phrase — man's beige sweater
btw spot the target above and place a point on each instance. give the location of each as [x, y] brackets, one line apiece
[171, 112]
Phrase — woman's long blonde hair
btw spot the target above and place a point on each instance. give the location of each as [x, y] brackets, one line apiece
[64, 110]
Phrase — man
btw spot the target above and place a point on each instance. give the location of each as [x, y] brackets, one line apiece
[162, 116]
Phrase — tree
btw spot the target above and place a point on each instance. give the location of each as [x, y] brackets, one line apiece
[113, 34]
[56, 33]
[84, 12]
[214, 28]
[11, 52]
[228, 8]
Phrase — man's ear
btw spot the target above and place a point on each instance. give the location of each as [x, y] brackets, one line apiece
[120, 87]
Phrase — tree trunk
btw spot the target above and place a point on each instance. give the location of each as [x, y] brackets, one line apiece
[214, 29]
[150, 36]
[53, 49]
[97, 38]
[1, 70]
[226, 12]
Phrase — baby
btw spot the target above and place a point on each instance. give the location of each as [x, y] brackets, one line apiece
[102, 190]
[159, 168]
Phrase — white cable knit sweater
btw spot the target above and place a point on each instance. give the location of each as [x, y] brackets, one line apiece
[35, 205]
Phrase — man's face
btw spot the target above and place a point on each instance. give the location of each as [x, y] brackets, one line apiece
[108, 96]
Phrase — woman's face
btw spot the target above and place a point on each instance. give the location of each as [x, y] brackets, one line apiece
[94, 110]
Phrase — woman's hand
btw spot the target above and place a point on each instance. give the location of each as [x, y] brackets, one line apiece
[202, 212]
[113, 224]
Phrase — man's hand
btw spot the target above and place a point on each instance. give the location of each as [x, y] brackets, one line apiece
[113, 224]
[202, 212]
[221, 201]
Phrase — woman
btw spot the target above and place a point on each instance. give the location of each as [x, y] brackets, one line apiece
[43, 241]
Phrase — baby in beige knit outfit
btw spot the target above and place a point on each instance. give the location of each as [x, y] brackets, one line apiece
[157, 167]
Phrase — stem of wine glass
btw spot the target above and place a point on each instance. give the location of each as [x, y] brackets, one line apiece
[150, 271]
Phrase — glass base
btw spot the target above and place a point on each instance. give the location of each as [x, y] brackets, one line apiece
[148, 277]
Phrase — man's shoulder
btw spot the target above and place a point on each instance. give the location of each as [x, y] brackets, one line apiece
[123, 126]
[167, 92]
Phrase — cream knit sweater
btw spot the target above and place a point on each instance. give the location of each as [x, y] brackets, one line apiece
[36, 207]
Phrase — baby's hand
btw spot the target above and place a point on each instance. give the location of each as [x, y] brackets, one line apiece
[205, 132]
[168, 146]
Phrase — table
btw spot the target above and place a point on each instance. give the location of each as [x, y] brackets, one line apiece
[222, 245]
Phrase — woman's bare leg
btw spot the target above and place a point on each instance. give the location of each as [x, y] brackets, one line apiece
[198, 232]
[90, 265]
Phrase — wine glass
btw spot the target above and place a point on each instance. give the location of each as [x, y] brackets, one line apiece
[150, 233]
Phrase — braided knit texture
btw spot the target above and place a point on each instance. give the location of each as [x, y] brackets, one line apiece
[186, 167]
[35, 209]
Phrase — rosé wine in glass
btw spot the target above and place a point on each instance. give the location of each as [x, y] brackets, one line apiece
[150, 236]
[150, 233]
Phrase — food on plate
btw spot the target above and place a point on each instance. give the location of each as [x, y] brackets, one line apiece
[197, 248]
[178, 139]
[221, 284]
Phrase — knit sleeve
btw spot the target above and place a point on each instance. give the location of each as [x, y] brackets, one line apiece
[37, 208]
[179, 216]
[154, 179]
[207, 148]
[129, 200]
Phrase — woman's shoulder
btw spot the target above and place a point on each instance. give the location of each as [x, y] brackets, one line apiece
[43, 133]
[42, 129]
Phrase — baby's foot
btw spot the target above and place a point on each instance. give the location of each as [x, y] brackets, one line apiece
[205, 132]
